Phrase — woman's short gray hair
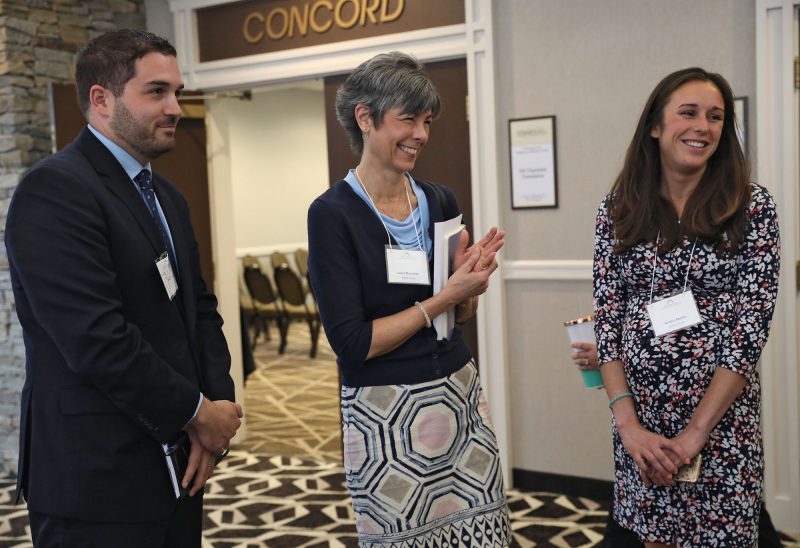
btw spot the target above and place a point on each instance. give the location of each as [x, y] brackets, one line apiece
[387, 80]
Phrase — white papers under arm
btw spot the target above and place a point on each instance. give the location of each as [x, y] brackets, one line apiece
[446, 235]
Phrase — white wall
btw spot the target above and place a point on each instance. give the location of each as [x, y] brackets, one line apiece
[591, 64]
[279, 163]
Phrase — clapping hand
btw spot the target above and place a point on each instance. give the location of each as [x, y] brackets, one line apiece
[489, 245]
[473, 265]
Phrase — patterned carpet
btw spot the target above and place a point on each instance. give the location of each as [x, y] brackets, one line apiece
[285, 487]
[292, 401]
[281, 501]
[257, 500]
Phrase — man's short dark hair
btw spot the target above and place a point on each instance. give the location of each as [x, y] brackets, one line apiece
[110, 60]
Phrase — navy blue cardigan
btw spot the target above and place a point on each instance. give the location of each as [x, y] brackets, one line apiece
[347, 267]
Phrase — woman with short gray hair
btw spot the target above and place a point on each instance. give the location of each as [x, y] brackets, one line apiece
[420, 454]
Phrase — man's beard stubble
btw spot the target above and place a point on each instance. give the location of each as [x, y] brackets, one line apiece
[127, 128]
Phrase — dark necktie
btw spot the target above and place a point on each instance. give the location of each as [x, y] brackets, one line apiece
[145, 182]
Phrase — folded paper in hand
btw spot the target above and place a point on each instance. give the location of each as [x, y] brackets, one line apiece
[177, 457]
[446, 236]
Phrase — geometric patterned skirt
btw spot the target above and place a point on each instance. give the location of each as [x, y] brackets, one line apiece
[422, 465]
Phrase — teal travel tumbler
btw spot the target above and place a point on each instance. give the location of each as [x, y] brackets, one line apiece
[582, 330]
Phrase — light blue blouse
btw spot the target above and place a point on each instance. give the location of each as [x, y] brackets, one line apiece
[404, 232]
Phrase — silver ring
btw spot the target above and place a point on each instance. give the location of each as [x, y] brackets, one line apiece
[585, 361]
[484, 267]
[211, 465]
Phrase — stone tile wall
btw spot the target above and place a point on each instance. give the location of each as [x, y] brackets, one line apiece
[38, 42]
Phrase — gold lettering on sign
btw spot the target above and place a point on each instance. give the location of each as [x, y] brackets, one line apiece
[259, 35]
[369, 10]
[271, 29]
[320, 16]
[386, 17]
[315, 25]
[302, 23]
[337, 16]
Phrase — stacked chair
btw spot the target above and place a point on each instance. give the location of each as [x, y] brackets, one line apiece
[277, 259]
[297, 303]
[292, 300]
[301, 259]
[265, 305]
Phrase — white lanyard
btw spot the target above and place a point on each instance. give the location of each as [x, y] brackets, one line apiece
[410, 210]
[403, 266]
[673, 312]
[655, 264]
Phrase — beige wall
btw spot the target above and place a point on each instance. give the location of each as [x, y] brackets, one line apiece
[592, 64]
[558, 426]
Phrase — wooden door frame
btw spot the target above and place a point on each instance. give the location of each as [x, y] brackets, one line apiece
[778, 143]
[472, 40]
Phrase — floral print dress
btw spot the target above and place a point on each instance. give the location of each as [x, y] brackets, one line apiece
[669, 375]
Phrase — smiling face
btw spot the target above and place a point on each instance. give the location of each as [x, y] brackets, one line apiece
[690, 128]
[144, 117]
[399, 139]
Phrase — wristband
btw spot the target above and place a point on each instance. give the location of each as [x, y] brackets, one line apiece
[424, 313]
[618, 397]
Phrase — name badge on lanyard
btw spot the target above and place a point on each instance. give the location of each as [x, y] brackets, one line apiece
[403, 266]
[407, 266]
[167, 275]
[674, 313]
[677, 311]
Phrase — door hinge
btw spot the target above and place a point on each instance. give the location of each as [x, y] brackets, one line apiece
[797, 73]
[797, 275]
[466, 102]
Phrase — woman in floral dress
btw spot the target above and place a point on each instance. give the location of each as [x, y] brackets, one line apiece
[685, 278]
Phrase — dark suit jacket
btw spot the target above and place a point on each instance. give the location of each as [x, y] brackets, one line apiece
[113, 366]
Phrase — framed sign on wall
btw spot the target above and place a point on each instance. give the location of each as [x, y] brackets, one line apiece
[532, 142]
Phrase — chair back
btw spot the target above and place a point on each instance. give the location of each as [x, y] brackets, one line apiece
[277, 259]
[250, 261]
[289, 286]
[258, 285]
[301, 258]
[295, 304]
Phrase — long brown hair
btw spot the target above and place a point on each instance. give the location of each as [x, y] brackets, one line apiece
[715, 208]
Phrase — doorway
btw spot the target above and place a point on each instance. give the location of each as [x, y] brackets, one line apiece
[285, 147]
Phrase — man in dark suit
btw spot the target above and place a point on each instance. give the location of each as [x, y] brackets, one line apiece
[123, 341]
